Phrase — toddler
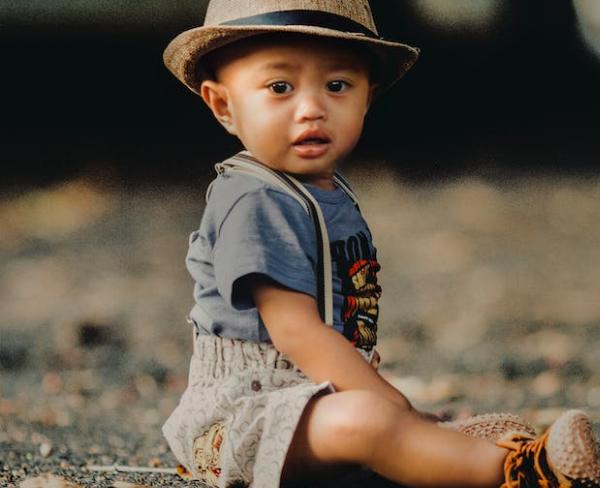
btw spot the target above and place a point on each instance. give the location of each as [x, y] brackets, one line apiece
[283, 385]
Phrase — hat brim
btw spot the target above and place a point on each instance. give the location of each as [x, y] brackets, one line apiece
[183, 53]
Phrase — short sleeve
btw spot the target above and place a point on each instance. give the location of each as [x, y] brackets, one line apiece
[269, 232]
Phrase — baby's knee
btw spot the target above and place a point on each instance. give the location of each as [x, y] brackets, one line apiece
[346, 426]
[365, 415]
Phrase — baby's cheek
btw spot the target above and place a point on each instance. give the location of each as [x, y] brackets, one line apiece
[352, 130]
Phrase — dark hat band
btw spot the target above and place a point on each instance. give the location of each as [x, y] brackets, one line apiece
[312, 18]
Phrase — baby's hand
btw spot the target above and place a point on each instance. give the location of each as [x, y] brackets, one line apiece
[430, 417]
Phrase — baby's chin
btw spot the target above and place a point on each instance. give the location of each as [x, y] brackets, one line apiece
[311, 167]
[296, 165]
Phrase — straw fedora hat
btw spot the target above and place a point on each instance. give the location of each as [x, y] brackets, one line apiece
[231, 20]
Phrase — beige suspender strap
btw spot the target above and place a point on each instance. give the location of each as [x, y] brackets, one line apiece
[343, 184]
[246, 163]
[327, 273]
[250, 168]
[269, 177]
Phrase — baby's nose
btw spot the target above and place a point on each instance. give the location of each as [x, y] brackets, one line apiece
[311, 106]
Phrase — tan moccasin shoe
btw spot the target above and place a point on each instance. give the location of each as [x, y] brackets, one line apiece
[566, 456]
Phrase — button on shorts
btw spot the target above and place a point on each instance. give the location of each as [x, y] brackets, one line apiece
[235, 421]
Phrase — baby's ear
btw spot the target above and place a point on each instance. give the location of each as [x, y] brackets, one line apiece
[215, 96]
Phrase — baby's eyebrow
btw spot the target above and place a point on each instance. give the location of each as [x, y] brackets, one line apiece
[280, 65]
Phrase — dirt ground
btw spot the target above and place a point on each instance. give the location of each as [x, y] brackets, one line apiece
[490, 303]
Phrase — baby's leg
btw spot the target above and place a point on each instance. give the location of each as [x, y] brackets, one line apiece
[359, 427]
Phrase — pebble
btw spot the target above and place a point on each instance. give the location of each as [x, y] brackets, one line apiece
[547, 384]
[48, 481]
[45, 449]
[154, 462]
[52, 383]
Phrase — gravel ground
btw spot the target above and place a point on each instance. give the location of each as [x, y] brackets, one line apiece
[490, 304]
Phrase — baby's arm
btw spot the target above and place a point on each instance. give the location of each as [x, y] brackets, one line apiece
[322, 353]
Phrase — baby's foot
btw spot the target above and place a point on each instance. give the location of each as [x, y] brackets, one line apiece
[490, 427]
[567, 455]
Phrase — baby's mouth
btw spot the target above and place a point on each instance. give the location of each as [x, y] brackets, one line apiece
[308, 142]
[312, 147]
[312, 143]
[312, 137]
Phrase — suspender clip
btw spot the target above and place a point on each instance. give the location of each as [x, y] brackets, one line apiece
[220, 168]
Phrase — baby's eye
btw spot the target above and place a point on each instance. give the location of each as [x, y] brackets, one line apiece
[281, 87]
[337, 85]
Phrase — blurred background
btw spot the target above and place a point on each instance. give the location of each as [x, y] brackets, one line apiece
[478, 175]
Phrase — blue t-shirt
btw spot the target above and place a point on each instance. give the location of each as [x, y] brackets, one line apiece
[251, 226]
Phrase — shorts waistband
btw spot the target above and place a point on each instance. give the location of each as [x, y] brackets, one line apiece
[228, 353]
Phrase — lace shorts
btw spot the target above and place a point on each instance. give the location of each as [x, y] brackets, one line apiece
[235, 421]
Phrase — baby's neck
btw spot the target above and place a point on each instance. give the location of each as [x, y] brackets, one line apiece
[322, 182]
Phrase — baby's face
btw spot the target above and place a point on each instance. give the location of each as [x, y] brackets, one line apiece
[297, 106]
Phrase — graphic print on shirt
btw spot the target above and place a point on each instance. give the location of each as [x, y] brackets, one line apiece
[357, 267]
